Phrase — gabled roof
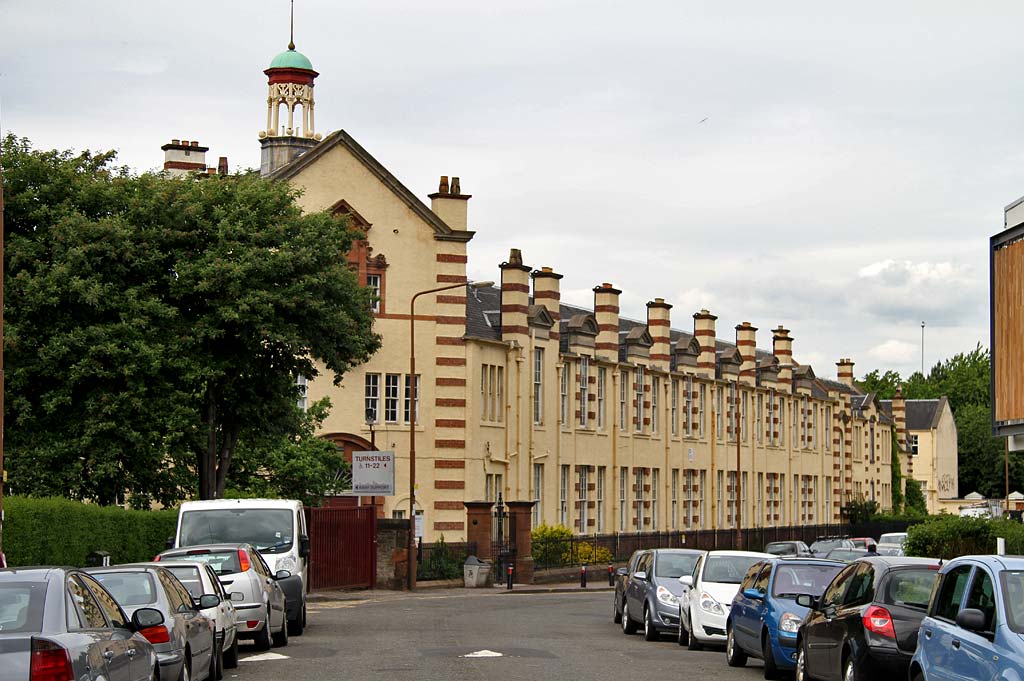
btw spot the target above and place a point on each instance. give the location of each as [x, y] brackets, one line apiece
[921, 414]
[538, 315]
[582, 322]
[340, 138]
[639, 335]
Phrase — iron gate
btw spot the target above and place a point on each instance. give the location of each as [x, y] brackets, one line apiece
[503, 540]
[343, 547]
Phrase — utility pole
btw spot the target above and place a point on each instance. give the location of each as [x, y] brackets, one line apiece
[922, 349]
[3, 560]
[739, 489]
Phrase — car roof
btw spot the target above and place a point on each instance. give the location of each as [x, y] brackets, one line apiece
[240, 503]
[751, 554]
[993, 561]
[128, 567]
[799, 560]
[210, 547]
[32, 573]
[898, 561]
[686, 552]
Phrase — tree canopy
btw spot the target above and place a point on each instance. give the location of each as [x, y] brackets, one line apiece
[155, 323]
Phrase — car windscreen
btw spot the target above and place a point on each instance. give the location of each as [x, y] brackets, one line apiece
[223, 562]
[827, 545]
[1013, 598]
[21, 606]
[674, 565]
[727, 569]
[845, 554]
[793, 580]
[269, 530]
[909, 587]
[129, 588]
[189, 577]
[898, 538]
[781, 549]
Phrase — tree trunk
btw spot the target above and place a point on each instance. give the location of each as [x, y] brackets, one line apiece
[207, 464]
[224, 460]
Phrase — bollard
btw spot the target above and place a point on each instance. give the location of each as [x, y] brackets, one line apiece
[583, 576]
[509, 585]
[611, 575]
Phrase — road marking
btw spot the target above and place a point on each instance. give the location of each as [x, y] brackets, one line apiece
[483, 653]
[264, 656]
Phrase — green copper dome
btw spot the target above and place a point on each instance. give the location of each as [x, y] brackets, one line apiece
[290, 59]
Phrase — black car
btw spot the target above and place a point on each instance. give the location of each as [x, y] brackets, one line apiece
[788, 548]
[865, 624]
[621, 582]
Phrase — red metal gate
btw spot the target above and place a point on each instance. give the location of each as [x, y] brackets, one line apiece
[343, 547]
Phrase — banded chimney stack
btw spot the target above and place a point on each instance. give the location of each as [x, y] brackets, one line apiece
[547, 292]
[182, 157]
[222, 165]
[450, 204]
[606, 311]
[746, 342]
[515, 298]
[845, 371]
[782, 347]
[704, 332]
[659, 325]
[899, 417]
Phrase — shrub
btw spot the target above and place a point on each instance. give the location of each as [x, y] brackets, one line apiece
[442, 563]
[554, 545]
[55, 531]
[948, 536]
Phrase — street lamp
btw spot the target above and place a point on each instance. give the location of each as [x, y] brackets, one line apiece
[371, 421]
[413, 397]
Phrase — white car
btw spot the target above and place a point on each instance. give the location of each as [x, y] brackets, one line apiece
[708, 594]
[200, 580]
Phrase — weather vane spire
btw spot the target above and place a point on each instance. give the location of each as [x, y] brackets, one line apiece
[291, 31]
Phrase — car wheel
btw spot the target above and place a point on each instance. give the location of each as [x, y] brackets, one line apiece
[231, 655]
[734, 657]
[771, 669]
[801, 665]
[693, 643]
[650, 629]
[262, 638]
[281, 637]
[186, 673]
[616, 612]
[850, 669]
[917, 676]
[212, 675]
[683, 637]
[628, 625]
[296, 626]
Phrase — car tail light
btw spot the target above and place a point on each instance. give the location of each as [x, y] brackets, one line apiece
[879, 621]
[156, 558]
[251, 624]
[243, 560]
[157, 634]
[196, 552]
[50, 662]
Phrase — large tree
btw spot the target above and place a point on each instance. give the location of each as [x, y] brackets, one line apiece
[154, 323]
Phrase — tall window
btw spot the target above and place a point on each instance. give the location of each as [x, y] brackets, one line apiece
[760, 419]
[391, 382]
[584, 484]
[701, 494]
[759, 512]
[640, 515]
[770, 421]
[732, 413]
[797, 515]
[638, 410]
[700, 407]
[492, 384]
[689, 406]
[674, 486]
[770, 514]
[797, 442]
[655, 389]
[371, 393]
[408, 399]
[731, 477]
[688, 509]
[718, 415]
[814, 426]
[602, 388]
[373, 283]
[623, 410]
[913, 444]
[828, 428]
[674, 408]
[563, 389]
[781, 430]
[563, 497]
[828, 499]
[721, 507]
[301, 386]
[538, 386]
[654, 498]
[623, 477]
[781, 502]
[493, 487]
[538, 493]
[600, 499]
[583, 378]
[743, 416]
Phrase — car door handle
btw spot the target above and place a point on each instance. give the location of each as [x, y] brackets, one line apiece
[928, 633]
[956, 643]
[108, 654]
[131, 652]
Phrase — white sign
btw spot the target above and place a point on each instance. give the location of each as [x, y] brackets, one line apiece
[420, 524]
[690, 453]
[373, 473]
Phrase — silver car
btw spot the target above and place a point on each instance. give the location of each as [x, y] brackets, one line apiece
[60, 623]
[259, 600]
[184, 644]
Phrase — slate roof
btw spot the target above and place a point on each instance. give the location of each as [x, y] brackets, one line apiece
[922, 414]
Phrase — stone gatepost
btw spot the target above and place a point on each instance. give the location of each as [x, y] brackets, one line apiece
[522, 512]
[478, 527]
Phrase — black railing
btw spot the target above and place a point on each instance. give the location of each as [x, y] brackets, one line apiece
[442, 560]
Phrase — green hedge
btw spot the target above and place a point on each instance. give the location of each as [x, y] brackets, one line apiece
[948, 536]
[55, 531]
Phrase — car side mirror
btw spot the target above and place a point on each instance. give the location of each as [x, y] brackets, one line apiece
[754, 594]
[686, 580]
[143, 618]
[622, 572]
[236, 596]
[807, 601]
[303, 546]
[971, 619]
[208, 601]
[641, 575]
[169, 542]
[282, 574]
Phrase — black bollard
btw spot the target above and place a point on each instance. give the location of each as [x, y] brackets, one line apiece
[583, 576]
[509, 585]
[611, 575]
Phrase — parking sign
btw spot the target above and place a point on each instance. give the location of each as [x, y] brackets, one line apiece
[373, 473]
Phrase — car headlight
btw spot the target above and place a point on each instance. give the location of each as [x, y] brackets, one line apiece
[286, 563]
[666, 596]
[709, 604]
[790, 622]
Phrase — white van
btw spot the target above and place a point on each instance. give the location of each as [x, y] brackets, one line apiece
[275, 527]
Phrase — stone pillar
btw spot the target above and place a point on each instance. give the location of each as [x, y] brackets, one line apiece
[746, 342]
[704, 332]
[659, 325]
[479, 516]
[606, 311]
[522, 512]
[844, 370]
[783, 348]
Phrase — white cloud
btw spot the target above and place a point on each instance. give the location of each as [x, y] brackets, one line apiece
[894, 351]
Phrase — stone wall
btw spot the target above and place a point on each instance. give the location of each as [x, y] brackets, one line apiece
[392, 536]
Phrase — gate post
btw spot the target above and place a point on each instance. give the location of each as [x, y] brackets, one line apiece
[478, 527]
[521, 512]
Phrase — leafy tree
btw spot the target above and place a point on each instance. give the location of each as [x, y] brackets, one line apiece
[916, 502]
[883, 385]
[897, 476]
[155, 323]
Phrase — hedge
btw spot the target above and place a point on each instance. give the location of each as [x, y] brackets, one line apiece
[55, 531]
[948, 536]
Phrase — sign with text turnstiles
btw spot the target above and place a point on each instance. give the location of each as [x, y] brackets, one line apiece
[373, 473]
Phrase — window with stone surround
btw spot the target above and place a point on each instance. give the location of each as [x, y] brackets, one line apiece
[408, 399]
[674, 407]
[688, 405]
[391, 383]
[623, 478]
[655, 389]
[760, 419]
[655, 474]
[582, 378]
[600, 498]
[623, 405]
[719, 404]
[563, 497]
[828, 428]
[701, 410]
[302, 388]
[492, 382]
[538, 386]
[638, 408]
[674, 490]
[538, 494]
[583, 483]
[371, 396]
[639, 495]
[373, 282]
[602, 389]
[563, 388]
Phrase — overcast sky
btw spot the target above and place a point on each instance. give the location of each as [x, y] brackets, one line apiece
[834, 169]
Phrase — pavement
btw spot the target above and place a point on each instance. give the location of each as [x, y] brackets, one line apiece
[378, 595]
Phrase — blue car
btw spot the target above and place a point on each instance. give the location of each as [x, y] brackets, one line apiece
[765, 617]
[975, 622]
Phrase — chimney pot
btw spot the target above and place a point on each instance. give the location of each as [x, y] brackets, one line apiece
[515, 257]
[659, 300]
[195, 143]
[606, 285]
[174, 141]
[222, 165]
[546, 269]
[442, 187]
[456, 189]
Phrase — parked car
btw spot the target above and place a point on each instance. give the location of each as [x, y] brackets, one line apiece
[846, 555]
[652, 591]
[863, 542]
[764, 617]
[60, 623]
[788, 548]
[707, 595]
[200, 580]
[274, 527]
[621, 579]
[865, 624]
[891, 544]
[975, 623]
[261, 611]
[184, 643]
[821, 547]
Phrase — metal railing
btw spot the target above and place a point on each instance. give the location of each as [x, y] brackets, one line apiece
[442, 560]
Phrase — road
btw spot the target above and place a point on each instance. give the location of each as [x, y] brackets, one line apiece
[425, 637]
